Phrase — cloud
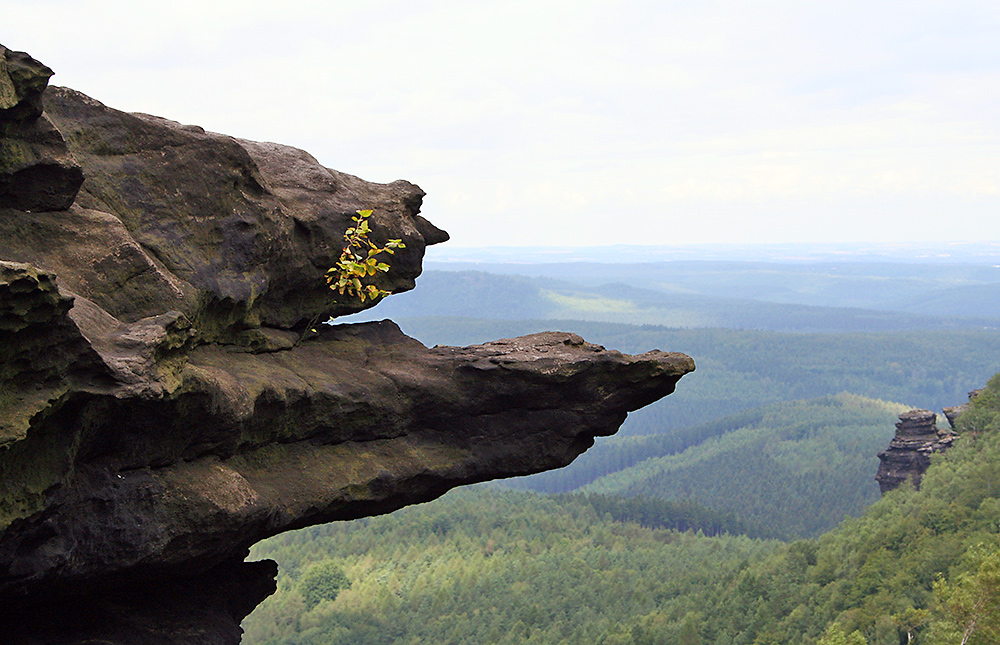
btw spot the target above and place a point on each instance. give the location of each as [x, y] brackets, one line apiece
[541, 122]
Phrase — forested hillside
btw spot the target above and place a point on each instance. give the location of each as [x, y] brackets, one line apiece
[920, 565]
[482, 566]
[795, 467]
[491, 566]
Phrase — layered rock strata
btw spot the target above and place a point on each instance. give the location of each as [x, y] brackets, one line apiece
[161, 409]
[909, 453]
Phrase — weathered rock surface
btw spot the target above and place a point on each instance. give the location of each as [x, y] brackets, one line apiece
[909, 453]
[233, 234]
[36, 170]
[233, 447]
[157, 415]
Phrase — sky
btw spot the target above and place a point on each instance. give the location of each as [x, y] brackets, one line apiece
[580, 123]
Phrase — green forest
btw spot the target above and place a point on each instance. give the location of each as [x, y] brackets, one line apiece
[818, 456]
[742, 509]
[489, 566]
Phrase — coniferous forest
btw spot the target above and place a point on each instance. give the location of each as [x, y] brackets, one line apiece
[740, 510]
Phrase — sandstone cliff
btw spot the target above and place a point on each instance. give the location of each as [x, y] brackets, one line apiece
[156, 414]
[909, 453]
[917, 437]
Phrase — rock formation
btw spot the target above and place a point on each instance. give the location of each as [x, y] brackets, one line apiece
[36, 170]
[909, 453]
[158, 414]
[955, 411]
[917, 438]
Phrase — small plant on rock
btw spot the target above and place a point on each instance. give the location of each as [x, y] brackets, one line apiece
[359, 261]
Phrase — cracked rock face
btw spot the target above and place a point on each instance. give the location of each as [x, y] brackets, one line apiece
[158, 412]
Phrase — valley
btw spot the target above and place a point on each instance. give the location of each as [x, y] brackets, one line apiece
[714, 516]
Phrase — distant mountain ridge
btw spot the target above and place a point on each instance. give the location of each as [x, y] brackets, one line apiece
[776, 300]
[962, 252]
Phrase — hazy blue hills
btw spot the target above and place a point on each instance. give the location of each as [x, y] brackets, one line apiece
[785, 301]
[979, 252]
[968, 300]
[868, 285]
[757, 359]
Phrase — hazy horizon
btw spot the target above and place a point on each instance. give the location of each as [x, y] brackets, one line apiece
[986, 253]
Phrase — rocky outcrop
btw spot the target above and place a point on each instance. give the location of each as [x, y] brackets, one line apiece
[917, 438]
[909, 453]
[36, 170]
[233, 234]
[158, 412]
[952, 413]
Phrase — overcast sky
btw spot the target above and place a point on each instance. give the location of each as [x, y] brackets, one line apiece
[546, 122]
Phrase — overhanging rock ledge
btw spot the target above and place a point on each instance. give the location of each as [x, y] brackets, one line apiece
[158, 417]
